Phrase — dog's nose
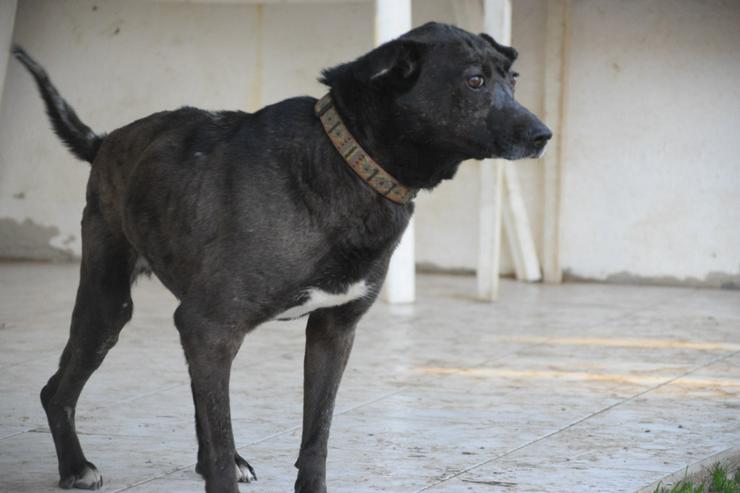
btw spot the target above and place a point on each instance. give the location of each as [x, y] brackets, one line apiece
[540, 136]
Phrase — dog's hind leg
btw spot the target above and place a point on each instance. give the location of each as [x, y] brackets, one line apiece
[210, 347]
[329, 337]
[102, 308]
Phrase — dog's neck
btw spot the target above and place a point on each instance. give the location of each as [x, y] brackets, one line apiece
[357, 158]
[414, 165]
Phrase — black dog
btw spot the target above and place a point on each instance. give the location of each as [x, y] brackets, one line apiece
[277, 214]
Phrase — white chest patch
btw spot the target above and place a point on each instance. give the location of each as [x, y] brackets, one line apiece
[321, 299]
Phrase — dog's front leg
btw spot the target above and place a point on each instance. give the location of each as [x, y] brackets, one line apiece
[329, 337]
[209, 349]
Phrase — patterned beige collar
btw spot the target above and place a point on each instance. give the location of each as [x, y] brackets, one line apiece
[359, 160]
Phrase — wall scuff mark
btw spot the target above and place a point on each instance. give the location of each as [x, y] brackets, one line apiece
[715, 280]
[30, 241]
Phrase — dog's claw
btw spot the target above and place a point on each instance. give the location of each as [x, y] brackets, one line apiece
[244, 472]
[88, 478]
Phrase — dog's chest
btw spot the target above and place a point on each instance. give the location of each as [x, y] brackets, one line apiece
[315, 298]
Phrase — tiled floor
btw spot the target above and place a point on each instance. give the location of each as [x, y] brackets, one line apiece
[573, 388]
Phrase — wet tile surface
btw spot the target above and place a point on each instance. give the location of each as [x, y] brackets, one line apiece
[579, 387]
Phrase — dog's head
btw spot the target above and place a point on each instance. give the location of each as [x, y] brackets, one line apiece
[446, 89]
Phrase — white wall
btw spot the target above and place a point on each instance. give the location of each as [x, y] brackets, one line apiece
[300, 40]
[652, 173]
[114, 62]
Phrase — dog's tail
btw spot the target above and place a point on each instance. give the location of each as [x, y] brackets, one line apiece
[78, 137]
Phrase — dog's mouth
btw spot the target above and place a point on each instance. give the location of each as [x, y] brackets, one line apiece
[512, 151]
[540, 153]
[516, 152]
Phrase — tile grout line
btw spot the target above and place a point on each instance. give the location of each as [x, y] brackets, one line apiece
[575, 423]
[261, 440]
[135, 398]
[15, 434]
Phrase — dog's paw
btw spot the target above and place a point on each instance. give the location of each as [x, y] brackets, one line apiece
[244, 472]
[86, 477]
[305, 485]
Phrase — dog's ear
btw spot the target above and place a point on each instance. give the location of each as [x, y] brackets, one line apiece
[396, 63]
[510, 53]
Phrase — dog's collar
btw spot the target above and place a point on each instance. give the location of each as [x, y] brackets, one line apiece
[359, 160]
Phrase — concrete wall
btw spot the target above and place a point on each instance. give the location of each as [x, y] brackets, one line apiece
[115, 62]
[652, 181]
[651, 118]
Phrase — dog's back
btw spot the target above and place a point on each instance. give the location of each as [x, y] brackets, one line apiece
[173, 184]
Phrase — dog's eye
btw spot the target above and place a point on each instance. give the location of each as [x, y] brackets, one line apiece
[514, 77]
[476, 82]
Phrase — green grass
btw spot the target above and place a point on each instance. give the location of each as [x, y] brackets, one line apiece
[718, 482]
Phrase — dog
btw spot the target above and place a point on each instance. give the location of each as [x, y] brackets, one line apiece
[291, 211]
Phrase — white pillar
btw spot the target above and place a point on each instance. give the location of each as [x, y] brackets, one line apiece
[392, 19]
[556, 72]
[497, 20]
[518, 231]
[7, 19]
[489, 227]
[497, 23]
